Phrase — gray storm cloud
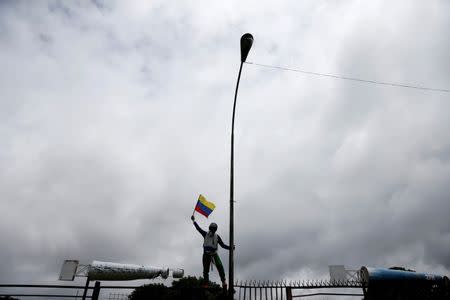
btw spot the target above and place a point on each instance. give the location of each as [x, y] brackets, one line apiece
[116, 115]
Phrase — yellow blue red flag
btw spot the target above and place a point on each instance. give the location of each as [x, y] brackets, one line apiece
[204, 206]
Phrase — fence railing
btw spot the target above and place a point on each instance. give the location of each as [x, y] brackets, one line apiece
[280, 290]
[55, 290]
[244, 290]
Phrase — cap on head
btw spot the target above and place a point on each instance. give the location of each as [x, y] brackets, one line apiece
[213, 227]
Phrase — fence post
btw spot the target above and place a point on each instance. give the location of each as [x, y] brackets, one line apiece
[288, 293]
[85, 289]
[96, 291]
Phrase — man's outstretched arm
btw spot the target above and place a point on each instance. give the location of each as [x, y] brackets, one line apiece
[199, 229]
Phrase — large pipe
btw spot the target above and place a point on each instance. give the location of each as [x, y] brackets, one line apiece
[382, 275]
[100, 270]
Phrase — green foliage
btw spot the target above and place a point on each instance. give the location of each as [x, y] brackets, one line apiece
[192, 282]
[185, 288]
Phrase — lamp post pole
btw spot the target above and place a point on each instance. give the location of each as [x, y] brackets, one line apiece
[246, 44]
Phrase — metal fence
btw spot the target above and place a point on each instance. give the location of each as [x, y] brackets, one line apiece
[280, 290]
[59, 291]
[244, 290]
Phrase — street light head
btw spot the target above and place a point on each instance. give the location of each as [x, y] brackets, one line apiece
[246, 44]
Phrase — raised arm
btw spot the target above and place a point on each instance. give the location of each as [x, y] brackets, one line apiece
[199, 229]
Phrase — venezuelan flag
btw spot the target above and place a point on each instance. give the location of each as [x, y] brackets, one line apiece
[204, 206]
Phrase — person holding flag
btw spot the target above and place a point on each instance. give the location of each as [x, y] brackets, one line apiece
[211, 241]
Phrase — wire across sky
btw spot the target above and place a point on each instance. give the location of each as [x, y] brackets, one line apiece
[352, 78]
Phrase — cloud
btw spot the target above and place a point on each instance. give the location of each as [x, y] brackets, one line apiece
[116, 116]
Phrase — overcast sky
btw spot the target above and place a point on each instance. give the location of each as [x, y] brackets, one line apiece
[115, 115]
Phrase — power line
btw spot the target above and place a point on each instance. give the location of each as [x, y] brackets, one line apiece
[352, 78]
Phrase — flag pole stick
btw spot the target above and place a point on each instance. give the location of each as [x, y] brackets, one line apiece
[195, 206]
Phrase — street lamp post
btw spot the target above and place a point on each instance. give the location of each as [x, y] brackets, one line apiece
[246, 44]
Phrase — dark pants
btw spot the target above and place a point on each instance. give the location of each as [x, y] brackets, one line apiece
[207, 262]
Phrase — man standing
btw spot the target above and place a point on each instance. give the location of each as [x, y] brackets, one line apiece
[210, 247]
